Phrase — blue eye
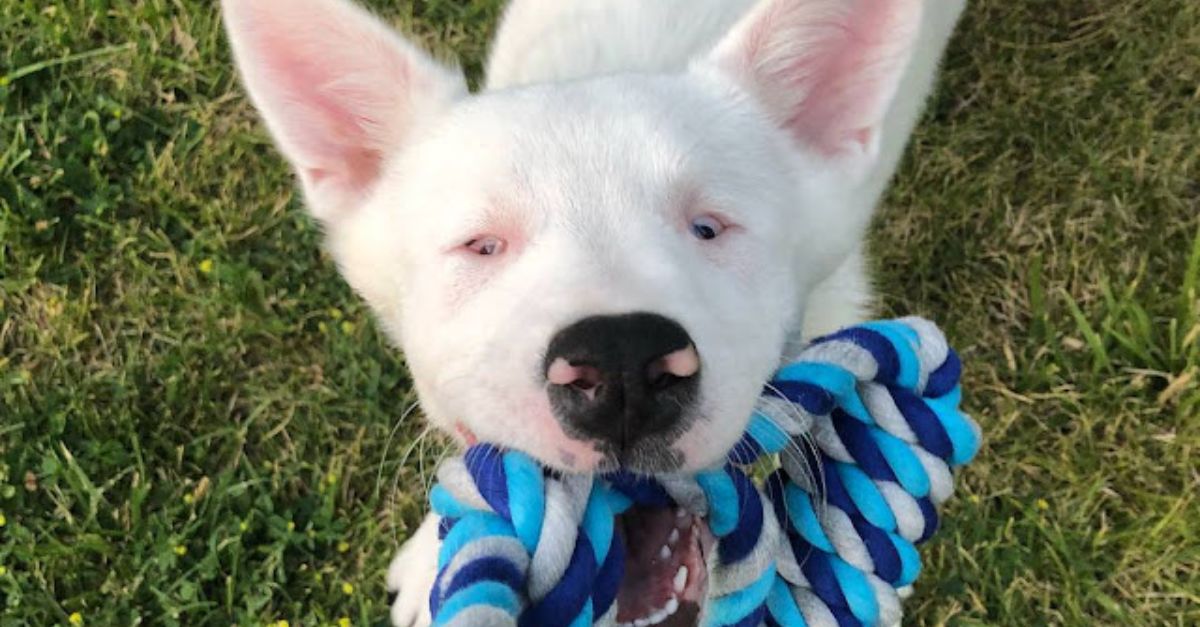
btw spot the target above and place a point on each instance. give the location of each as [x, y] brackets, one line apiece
[707, 227]
[485, 246]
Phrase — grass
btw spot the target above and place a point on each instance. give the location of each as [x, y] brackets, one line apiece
[200, 425]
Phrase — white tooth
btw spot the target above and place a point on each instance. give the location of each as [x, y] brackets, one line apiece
[641, 622]
[672, 606]
[664, 552]
[674, 537]
[658, 616]
[680, 578]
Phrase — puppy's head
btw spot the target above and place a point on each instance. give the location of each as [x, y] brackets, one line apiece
[602, 272]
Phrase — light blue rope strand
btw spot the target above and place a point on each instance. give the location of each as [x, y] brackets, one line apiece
[735, 606]
[445, 505]
[805, 520]
[718, 488]
[856, 589]
[835, 380]
[866, 496]
[767, 434]
[525, 479]
[963, 438]
[598, 523]
[782, 605]
[470, 528]
[910, 474]
[910, 559]
[902, 338]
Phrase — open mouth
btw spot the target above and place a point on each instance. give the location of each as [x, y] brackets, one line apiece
[666, 574]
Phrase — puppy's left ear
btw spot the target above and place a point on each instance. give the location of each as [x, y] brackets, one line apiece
[825, 70]
[339, 90]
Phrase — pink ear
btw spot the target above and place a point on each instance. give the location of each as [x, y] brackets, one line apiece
[338, 89]
[826, 70]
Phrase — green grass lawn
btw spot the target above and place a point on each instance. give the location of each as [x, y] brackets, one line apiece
[200, 425]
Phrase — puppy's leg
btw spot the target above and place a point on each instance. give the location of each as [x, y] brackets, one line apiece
[411, 576]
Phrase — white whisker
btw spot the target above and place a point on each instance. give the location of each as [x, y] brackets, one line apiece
[813, 475]
[387, 447]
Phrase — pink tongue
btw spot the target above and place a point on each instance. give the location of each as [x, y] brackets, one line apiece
[648, 590]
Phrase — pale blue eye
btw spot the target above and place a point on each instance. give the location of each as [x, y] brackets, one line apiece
[707, 227]
[486, 246]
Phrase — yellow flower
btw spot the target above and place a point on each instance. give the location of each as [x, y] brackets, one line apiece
[54, 307]
[344, 621]
[206, 266]
[291, 526]
[975, 500]
[180, 550]
[348, 588]
[1043, 505]
[347, 327]
[3, 520]
[244, 526]
[3, 571]
[188, 499]
[343, 546]
[322, 327]
[75, 618]
[335, 313]
[281, 623]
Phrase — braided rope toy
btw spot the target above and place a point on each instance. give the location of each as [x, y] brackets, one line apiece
[827, 539]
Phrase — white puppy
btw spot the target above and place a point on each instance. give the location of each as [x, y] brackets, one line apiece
[601, 257]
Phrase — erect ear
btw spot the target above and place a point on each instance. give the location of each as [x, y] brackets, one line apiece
[825, 70]
[338, 89]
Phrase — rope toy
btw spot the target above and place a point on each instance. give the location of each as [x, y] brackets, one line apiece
[827, 538]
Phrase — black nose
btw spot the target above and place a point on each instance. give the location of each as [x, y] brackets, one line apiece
[623, 378]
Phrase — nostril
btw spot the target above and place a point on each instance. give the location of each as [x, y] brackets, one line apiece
[584, 378]
[663, 381]
[666, 370]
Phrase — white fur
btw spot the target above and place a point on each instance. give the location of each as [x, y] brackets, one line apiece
[606, 127]
[542, 41]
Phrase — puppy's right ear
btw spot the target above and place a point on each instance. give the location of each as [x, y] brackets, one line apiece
[338, 89]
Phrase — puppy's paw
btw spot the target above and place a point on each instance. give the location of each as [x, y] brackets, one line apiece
[411, 576]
